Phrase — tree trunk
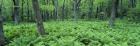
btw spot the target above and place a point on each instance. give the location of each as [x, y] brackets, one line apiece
[2, 39]
[39, 21]
[56, 9]
[90, 13]
[16, 11]
[74, 10]
[47, 15]
[22, 10]
[28, 11]
[132, 3]
[113, 12]
[76, 5]
[63, 10]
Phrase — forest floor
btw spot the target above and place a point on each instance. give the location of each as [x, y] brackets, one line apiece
[68, 33]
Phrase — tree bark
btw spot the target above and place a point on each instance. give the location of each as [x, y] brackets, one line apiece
[90, 13]
[39, 20]
[2, 39]
[28, 11]
[22, 10]
[132, 3]
[76, 5]
[63, 10]
[56, 9]
[16, 11]
[47, 15]
[113, 12]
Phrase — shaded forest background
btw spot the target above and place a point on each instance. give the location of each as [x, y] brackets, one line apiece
[69, 9]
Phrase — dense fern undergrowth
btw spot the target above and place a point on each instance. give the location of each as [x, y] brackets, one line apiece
[69, 33]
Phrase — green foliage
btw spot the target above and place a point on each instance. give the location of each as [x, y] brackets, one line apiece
[22, 40]
[134, 14]
[103, 6]
[67, 33]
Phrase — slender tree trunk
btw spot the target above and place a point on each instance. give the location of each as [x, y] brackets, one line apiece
[22, 10]
[39, 20]
[76, 5]
[108, 10]
[56, 9]
[74, 10]
[132, 3]
[120, 9]
[97, 11]
[28, 11]
[2, 39]
[47, 15]
[16, 11]
[63, 10]
[47, 1]
[90, 13]
[113, 12]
